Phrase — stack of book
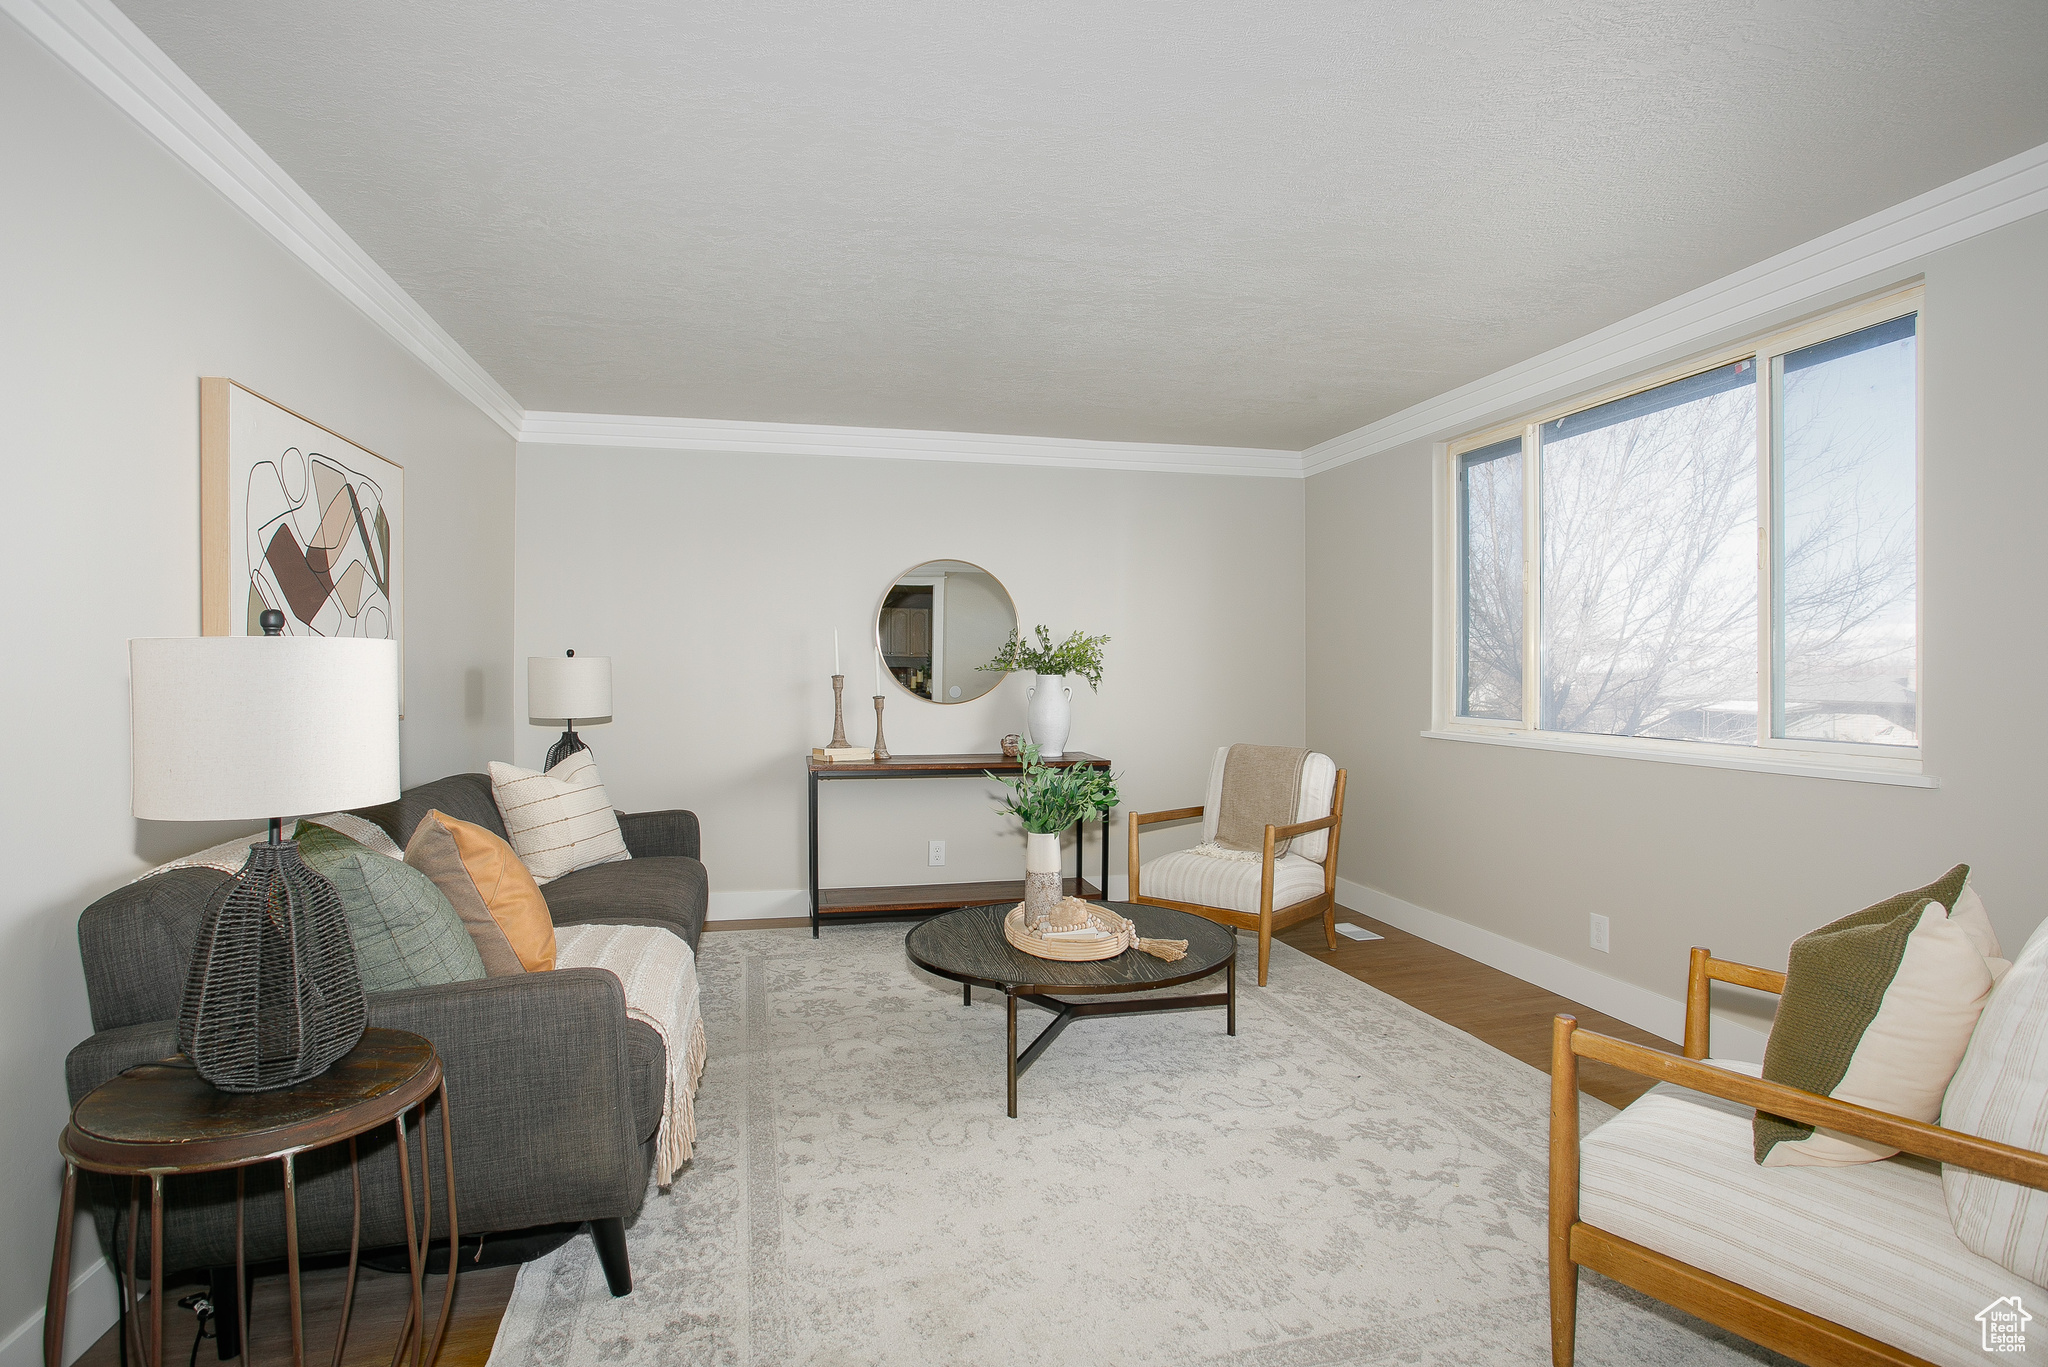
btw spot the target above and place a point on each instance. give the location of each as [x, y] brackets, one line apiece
[843, 754]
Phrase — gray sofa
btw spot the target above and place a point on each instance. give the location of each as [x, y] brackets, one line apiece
[555, 1093]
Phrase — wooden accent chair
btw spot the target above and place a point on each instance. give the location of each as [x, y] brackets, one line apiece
[1861, 1258]
[1243, 894]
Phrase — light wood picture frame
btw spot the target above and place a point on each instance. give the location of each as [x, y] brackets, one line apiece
[295, 516]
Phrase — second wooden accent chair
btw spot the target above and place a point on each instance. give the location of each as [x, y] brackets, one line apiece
[1834, 1267]
[1269, 894]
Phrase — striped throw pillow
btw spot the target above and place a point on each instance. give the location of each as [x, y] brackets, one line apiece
[2001, 1092]
[559, 821]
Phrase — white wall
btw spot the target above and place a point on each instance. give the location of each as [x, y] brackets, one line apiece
[975, 614]
[715, 583]
[1523, 845]
[125, 279]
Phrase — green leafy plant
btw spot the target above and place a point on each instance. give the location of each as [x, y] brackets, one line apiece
[1048, 799]
[1077, 654]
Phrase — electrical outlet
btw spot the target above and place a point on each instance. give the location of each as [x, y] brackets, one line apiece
[938, 855]
[1600, 932]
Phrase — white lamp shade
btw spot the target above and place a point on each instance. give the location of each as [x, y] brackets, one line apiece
[568, 688]
[233, 728]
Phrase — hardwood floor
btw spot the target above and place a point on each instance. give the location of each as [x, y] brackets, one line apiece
[1511, 1015]
[480, 1299]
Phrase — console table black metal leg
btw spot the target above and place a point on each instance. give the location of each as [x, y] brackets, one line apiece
[814, 855]
[1081, 856]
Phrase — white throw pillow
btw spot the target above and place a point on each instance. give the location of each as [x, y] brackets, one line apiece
[1969, 913]
[2000, 1092]
[559, 821]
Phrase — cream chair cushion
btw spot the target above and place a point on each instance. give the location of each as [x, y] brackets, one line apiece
[1868, 1246]
[1232, 884]
[1318, 791]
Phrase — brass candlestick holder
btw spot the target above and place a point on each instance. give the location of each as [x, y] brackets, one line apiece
[881, 750]
[838, 741]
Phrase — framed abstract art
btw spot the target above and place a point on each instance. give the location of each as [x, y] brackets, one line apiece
[296, 517]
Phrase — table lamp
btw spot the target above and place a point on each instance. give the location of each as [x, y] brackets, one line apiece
[232, 728]
[567, 689]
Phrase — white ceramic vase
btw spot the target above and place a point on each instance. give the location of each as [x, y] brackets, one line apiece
[1052, 714]
[1041, 876]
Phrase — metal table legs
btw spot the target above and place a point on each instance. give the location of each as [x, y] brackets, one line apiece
[412, 1333]
[1065, 1012]
[414, 1330]
[60, 1271]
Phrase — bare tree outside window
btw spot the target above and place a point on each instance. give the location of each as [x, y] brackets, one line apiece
[1490, 635]
[1649, 563]
[1845, 576]
[1648, 605]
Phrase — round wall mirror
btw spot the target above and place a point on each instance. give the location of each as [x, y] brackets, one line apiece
[937, 623]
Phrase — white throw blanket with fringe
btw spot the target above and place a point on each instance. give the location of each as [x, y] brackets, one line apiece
[660, 977]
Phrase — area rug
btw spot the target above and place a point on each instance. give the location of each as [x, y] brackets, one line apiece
[1347, 1181]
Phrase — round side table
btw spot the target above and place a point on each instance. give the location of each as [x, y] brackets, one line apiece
[162, 1119]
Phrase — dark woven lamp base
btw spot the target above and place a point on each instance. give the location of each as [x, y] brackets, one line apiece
[274, 996]
[568, 745]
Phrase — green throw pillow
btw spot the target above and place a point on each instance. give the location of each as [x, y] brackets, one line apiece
[406, 932]
[1877, 1010]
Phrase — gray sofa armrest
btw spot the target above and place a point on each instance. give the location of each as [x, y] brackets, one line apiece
[650, 835]
[541, 1086]
[662, 890]
[540, 1089]
[111, 1052]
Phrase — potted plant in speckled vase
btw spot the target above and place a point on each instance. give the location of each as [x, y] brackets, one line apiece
[1048, 799]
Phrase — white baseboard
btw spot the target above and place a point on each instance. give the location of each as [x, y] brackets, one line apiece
[94, 1308]
[758, 905]
[1640, 1007]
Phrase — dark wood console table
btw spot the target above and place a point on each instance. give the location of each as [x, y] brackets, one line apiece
[910, 899]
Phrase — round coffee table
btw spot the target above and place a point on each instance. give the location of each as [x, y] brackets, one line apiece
[968, 946]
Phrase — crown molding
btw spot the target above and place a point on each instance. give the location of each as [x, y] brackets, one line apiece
[102, 45]
[1991, 198]
[802, 439]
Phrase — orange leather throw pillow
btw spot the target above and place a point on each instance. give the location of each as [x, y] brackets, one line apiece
[500, 904]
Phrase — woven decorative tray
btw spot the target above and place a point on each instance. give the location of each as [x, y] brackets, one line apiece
[1078, 931]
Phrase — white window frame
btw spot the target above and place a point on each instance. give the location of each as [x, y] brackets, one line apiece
[1824, 759]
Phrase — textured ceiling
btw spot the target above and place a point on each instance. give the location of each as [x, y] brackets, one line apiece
[1196, 221]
